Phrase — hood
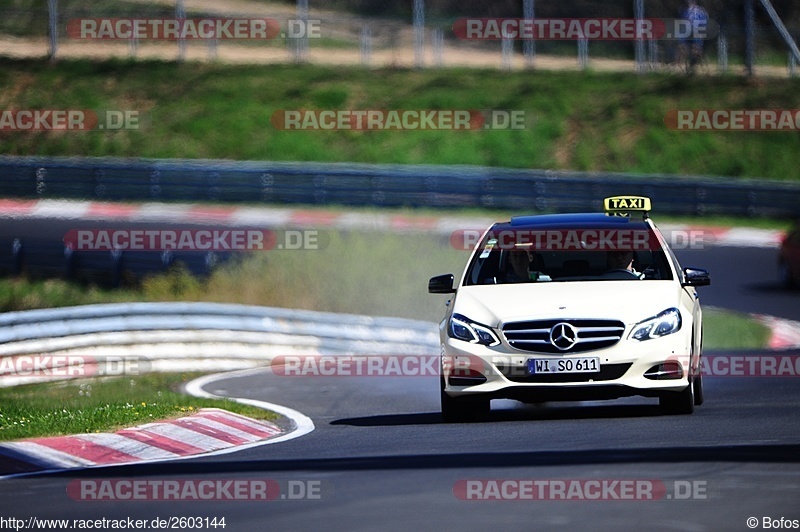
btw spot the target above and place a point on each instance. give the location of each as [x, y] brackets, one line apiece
[628, 301]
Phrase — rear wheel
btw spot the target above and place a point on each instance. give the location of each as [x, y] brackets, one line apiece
[461, 409]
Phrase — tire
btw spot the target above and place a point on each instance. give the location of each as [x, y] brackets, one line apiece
[697, 379]
[697, 383]
[462, 409]
[678, 403]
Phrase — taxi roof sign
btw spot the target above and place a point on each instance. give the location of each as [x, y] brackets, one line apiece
[626, 204]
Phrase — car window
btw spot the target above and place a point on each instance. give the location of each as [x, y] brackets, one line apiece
[499, 263]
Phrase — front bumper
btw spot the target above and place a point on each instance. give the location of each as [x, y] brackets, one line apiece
[501, 371]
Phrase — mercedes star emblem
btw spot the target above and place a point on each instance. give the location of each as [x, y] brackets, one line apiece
[563, 336]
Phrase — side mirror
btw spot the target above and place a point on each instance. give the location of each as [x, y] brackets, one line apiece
[441, 284]
[696, 277]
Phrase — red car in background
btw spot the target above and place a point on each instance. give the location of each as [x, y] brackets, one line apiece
[789, 258]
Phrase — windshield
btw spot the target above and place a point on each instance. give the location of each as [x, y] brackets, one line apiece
[535, 254]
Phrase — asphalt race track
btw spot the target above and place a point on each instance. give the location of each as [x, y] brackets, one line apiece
[743, 279]
[381, 458]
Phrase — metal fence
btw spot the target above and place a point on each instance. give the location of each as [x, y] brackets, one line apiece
[107, 179]
[110, 338]
[411, 33]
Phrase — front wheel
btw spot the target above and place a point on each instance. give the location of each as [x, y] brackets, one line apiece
[697, 383]
[678, 403]
[463, 409]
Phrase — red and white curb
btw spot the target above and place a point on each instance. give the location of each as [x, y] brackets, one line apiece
[785, 334]
[224, 215]
[280, 217]
[209, 430]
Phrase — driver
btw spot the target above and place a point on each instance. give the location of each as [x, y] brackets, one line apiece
[621, 261]
[519, 262]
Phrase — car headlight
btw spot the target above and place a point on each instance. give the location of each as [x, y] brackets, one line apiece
[462, 328]
[665, 323]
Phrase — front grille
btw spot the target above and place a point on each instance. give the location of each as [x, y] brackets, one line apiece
[535, 335]
[608, 372]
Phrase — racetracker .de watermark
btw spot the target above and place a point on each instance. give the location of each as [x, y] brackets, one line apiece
[398, 119]
[570, 29]
[170, 29]
[194, 239]
[71, 366]
[356, 365]
[733, 119]
[745, 365]
[255, 490]
[69, 120]
[581, 239]
[540, 489]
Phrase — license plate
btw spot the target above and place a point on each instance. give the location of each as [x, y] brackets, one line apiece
[563, 365]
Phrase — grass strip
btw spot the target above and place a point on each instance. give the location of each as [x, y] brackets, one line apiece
[102, 405]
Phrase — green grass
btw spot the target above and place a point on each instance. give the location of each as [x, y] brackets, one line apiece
[724, 329]
[102, 405]
[579, 121]
[24, 294]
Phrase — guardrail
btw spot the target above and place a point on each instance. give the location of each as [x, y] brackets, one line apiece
[199, 336]
[383, 185]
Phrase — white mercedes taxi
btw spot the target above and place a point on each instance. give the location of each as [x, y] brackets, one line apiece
[571, 307]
